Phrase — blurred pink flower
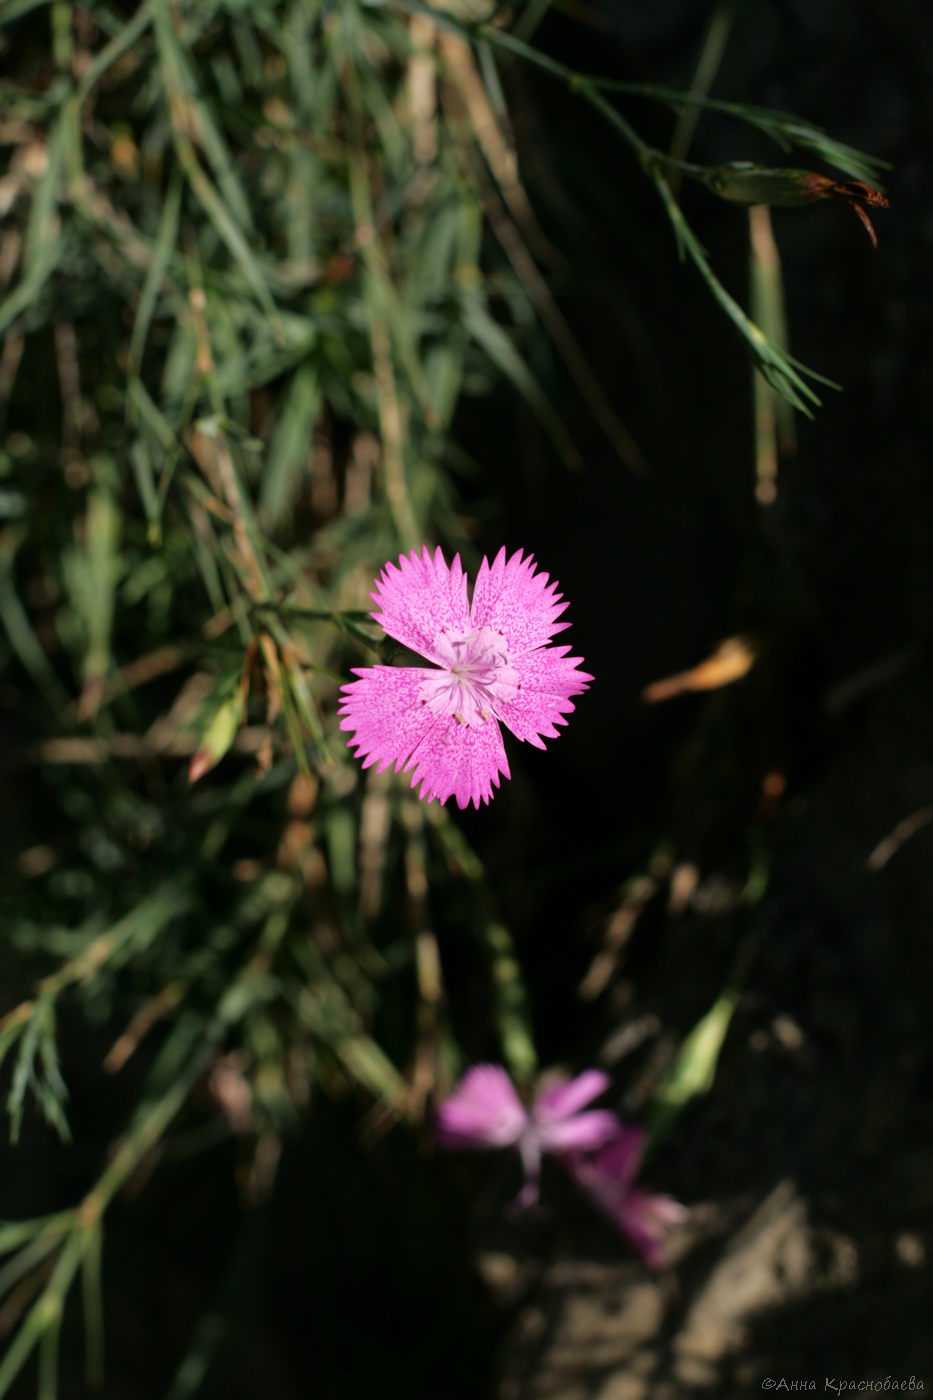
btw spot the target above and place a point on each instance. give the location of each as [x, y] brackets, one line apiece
[600, 1153]
[485, 1111]
[493, 664]
[606, 1176]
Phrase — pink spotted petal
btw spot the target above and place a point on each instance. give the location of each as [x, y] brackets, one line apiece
[548, 678]
[420, 597]
[457, 760]
[384, 709]
[570, 1095]
[483, 1111]
[513, 599]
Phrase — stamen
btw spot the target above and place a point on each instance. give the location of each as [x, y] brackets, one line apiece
[476, 677]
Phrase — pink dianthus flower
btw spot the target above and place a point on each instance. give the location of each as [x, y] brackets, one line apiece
[601, 1154]
[485, 1111]
[491, 664]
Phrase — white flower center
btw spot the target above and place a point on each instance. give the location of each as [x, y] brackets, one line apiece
[475, 676]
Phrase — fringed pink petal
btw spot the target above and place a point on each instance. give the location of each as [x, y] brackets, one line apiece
[384, 709]
[548, 678]
[457, 760]
[420, 597]
[513, 599]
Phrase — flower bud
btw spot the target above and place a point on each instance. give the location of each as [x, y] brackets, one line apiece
[745, 183]
[217, 737]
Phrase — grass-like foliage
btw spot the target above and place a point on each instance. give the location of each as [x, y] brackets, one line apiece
[255, 257]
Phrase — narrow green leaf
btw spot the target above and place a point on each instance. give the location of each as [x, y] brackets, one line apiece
[371, 1067]
[93, 1302]
[511, 999]
[162, 249]
[124, 39]
[190, 1375]
[18, 627]
[27, 1259]
[290, 448]
[214, 205]
[15, 9]
[217, 735]
[43, 1317]
[491, 338]
[15, 1233]
[779, 368]
[101, 569]
[42, 244]
[47, 1388]
[694, 1068]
